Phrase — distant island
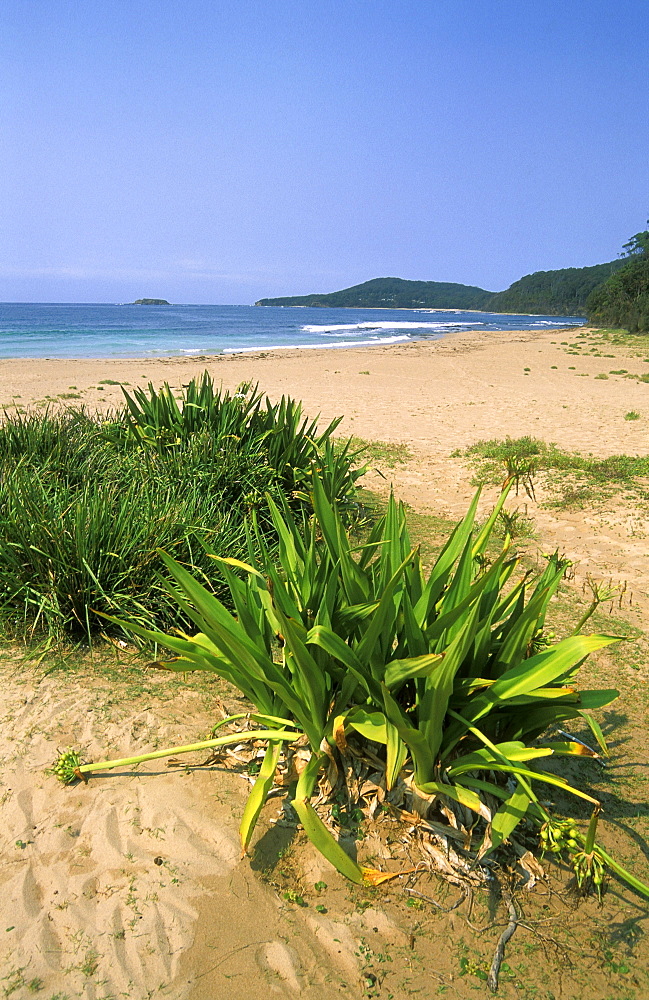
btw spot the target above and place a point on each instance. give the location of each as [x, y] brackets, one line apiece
[151, 302]
[552, 293]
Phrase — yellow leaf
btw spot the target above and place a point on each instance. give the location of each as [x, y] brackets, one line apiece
[372, 876]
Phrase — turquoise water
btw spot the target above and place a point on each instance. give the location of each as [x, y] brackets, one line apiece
[129, 331]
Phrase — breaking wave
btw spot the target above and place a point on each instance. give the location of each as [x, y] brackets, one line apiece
[339, 329]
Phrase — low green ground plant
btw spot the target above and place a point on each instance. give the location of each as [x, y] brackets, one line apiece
[447, 681]
[494, 459]
[383, 454]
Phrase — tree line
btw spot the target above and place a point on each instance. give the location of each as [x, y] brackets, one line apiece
[612, 294]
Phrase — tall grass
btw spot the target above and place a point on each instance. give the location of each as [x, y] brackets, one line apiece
[86, 501]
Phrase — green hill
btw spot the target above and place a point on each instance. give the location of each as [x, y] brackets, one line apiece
[393, 293]
[552, 293]
[623, 300]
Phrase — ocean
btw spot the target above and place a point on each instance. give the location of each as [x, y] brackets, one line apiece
[128, 331]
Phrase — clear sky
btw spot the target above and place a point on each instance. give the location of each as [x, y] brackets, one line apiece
[215, 151]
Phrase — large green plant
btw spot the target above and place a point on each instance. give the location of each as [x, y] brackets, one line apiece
[244, 421]
[450, 671]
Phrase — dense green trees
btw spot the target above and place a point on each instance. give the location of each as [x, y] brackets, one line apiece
[623, 300]
[613, 294]
[553, 293]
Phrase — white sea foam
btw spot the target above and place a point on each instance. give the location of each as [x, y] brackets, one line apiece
[550, 322]
[319, 347]
[336, 329]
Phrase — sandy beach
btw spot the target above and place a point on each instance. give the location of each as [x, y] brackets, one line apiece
[133, 886]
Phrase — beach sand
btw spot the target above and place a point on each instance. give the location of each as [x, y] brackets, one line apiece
[133, 886]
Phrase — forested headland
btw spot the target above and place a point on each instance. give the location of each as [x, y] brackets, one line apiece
[554, 293]
[393, 293]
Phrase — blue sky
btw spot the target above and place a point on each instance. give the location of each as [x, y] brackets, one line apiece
[217, 151]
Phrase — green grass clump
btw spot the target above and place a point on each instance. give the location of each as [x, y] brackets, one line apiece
[381, 453]
[632, 415]
[492, 459]
[85, 501]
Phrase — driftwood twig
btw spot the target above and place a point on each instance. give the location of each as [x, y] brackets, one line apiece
[492, 978]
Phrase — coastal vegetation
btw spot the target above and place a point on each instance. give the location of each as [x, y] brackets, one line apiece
[614, 294]
[575, 478]
[563, 292]
[553, 293]
[382, 831]
[623, 300]
[151, 302]
[86, 499]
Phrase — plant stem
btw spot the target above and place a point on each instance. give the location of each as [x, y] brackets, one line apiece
[262, 734]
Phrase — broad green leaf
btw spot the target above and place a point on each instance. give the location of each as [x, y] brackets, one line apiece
[597, 699]
[371, 725]
[238, 564]
[396, 755]
[323, 841]
[259, 793]
[438, 687]
[399, 671]
[422, 757]
[510, 814]
[444, 563]
[483, 538]
[315, 829]
[596, 730]
[507, 751]
[514, 769]
[456, 792]
[338, 648]
[570, 748]
[538, 671]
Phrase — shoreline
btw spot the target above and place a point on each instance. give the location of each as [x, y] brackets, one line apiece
[437, 395]
[229, 352]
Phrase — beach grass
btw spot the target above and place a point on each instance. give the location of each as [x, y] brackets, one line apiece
[575, 477]
[384, 454]
[87, 499]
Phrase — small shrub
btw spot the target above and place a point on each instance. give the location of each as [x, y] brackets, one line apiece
[632, 415]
